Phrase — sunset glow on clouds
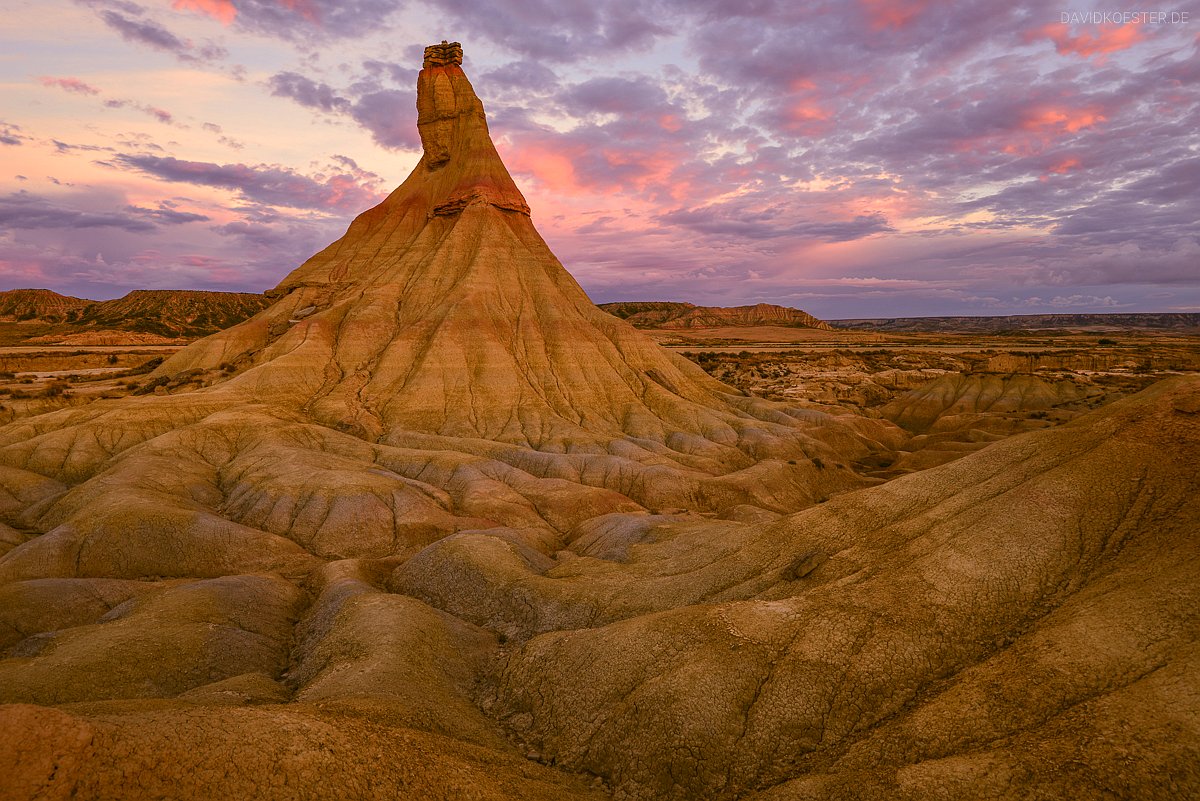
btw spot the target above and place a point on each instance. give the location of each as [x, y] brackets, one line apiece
[858, 158]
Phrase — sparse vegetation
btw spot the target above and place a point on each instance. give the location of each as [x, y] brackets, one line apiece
[56, 389]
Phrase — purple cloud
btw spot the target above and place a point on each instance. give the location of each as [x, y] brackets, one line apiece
[70, 85]
[170, 216]
[11, 134]
[153, 34]
[388, 114]
[270, 184]
[523, 76]
[307, 92]
[545, 30]
[391, 117]
[145, 32]
[93, 243]
[30, 211]
[734, 219]
[311, 20]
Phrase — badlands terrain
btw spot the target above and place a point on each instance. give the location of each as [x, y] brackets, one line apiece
[144, 316]
[432, 525]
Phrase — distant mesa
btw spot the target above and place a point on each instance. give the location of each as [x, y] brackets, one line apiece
[652, 314]
[168, 314]
[1026, 322]
[173, 312]
[39, 304]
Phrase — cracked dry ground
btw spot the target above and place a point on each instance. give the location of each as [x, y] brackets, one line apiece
[433, 526]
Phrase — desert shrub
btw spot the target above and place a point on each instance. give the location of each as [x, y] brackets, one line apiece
[146, 367]
[56, 389]
[161, 381]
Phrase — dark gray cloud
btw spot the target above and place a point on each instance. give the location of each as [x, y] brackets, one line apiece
[11, 134]
[269, 184]
[91, 242]
[315, 20]
[307, 92]
[63, 147]
[160, 114]
[525, 76]
[558, 30]
[169, 216]
[144, 31]
[153, 34]
[26, 210]
[734, 219]
[389, 115]
[614, 95]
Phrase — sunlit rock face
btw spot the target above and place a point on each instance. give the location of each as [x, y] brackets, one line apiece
[434, 526]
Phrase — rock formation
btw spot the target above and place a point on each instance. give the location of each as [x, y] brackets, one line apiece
[159, 312]
[686, 315]
[432, 525]
[38, 304]
[172, 312]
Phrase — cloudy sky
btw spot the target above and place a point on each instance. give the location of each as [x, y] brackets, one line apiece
[848, 157]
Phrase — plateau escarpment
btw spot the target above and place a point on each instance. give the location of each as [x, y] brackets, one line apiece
[432, 525]
[147, 316]
[668, 315]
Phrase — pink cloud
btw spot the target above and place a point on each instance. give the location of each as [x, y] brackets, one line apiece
[1061, 166]
[305, 8]
[1109, 38]
[223, 11]
[894, 13]
[805, 117]
[670, 123]
[1061, 118]
[70, 85]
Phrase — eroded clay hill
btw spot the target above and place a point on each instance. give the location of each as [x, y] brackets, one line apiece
[433, 526]
[670, 315]
[171, 312]
[38, 304]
